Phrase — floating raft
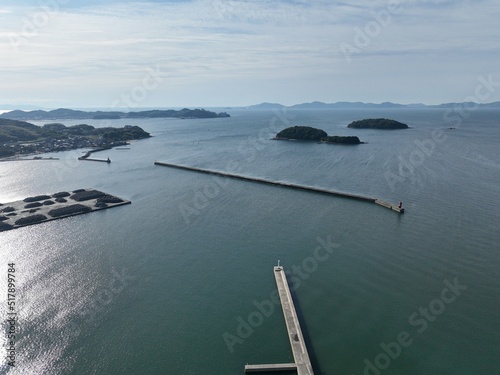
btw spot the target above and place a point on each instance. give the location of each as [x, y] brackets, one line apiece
[284, 184]
[42, 208]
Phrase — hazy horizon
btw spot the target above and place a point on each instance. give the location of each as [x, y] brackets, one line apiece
[30, 108]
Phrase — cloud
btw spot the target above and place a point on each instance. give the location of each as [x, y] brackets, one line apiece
[199, 42]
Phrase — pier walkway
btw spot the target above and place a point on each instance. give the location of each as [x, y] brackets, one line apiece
[271, 368]
[301, 357]
[283, 184]
[297, 342]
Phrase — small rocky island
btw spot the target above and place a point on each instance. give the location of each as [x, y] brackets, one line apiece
[377, 123]
[41, 208]
[307, 133]
[345, 140]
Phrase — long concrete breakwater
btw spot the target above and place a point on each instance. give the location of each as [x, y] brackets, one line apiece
[285, 184]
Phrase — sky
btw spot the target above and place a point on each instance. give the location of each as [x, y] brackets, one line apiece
[218, 53]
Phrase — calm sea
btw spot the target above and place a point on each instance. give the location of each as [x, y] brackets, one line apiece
[180, 281]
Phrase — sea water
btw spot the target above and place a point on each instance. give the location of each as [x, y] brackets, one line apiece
[180, 281]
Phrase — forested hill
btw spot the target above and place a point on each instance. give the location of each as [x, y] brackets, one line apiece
[13, 130]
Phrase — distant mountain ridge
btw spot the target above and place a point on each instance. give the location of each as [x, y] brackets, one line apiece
[25, 107]
[266, 105]
[362, 105]
[71, 114]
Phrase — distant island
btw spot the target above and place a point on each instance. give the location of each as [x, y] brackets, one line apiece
[19, 137]
[307, 133]
[303, 133]
[377, 123]
[362, 105]
[70, 114]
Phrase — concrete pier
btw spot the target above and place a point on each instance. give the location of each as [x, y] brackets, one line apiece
[279, 183]
[271, 368]
[88, 153]
[300, 355]
[295, 336]
[92, 159]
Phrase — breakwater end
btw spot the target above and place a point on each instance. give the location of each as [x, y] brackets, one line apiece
[88, 153]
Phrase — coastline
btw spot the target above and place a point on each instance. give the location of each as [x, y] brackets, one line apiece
[18, 157]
